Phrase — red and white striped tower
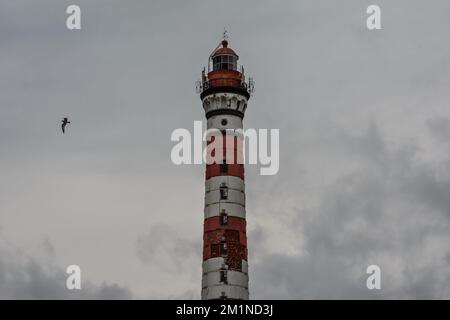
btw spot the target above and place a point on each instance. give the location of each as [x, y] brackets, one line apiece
[224, 94]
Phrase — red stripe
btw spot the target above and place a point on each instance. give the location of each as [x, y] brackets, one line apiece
[236, 170]
[233, 235]
[234, 223]
[230, 148]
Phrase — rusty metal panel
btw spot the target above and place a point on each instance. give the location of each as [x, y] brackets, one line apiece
[235, 242]
[236, 253]
[214, 250]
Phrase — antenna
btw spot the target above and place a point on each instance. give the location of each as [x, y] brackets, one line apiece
[224, 37]
[251, 85]
[225, 34]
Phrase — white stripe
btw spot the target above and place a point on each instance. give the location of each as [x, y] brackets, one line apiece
[233, 122]
[231, 181]
[232, 209]
[225, 101]
[231, 292]
[215, 264]
[234, 196]
[234, 278]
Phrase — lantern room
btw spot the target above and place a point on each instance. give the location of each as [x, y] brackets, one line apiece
[224, 58]
[224, 74]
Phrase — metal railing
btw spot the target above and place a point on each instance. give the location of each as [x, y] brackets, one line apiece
[225, 82]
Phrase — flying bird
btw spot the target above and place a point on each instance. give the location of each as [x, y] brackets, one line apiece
[65, 121]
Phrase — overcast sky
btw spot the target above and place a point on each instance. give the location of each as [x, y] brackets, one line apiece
[364, 125]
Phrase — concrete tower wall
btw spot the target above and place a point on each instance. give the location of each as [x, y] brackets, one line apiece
[225, 268]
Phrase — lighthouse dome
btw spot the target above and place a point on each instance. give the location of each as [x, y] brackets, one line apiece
[224, 50]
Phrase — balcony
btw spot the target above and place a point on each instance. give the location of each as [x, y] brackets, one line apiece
[225, 84]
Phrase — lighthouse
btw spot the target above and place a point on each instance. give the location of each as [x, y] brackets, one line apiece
[224, 93]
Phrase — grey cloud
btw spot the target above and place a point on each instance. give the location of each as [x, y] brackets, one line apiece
[390, 217]
[24, 277]
[163, 247]
[363, 119]
[440, 127]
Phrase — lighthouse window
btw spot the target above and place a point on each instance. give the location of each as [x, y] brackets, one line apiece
[223, 218]
[223, 277]
[223, 248]
[224, 63]
[223, 168]
[223, 193]
[224, 122]
[216, 63]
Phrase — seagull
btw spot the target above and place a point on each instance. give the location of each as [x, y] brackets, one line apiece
[64, 123]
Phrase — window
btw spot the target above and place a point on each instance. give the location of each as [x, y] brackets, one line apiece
[223, 247]
[225, 62]
[223, 276]
[216, 62]
[223, 167]
[224, 122]
[223, 192]
[223, 218]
